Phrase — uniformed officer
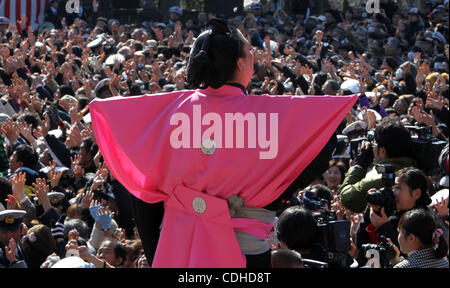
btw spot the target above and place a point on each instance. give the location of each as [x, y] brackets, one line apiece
[355, 130]
[96, 45]
[11, 229]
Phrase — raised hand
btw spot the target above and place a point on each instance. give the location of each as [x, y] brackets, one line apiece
[100, 177]
[41, 189]
[104, 218]
[87, 199]
[9, 130]
[378, 220]
[307, 71]
[11, 250]
[18, 184]
[442, 207]
[11, 203]
[355, 221]
[428, 119]
[54, 176]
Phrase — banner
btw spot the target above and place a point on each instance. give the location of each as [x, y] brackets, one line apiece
[14, 9]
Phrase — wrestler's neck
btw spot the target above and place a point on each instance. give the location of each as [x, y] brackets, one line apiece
[238, 82]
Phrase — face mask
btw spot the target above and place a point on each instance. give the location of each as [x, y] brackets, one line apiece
[411, 56]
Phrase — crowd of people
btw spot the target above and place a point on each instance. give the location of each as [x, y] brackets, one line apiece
[61, 207]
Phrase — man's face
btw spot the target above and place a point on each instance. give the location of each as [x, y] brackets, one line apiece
[13, 163]
[86, 158]
[328, 90]
[247, 62]
[106, 93]
[106, 252]
[384, 102]
[174, 17]
[400, 106]
[101, 24]
[6, 235]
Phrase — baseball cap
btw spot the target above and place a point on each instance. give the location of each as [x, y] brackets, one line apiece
[176, 9]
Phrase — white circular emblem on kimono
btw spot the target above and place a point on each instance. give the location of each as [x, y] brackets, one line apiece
[199, 205]
[208, 147]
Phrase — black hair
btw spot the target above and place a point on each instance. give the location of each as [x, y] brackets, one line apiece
[341, 165]
[82, 228]
[334, 84]
[415, 178]
[89, 146]
[391, 62]
[27, 156]
[30, 118]
[285, 258]
[391, 96]
[83, 102]
[214, 56]
[66, 90]
[421, 223]
[120, 251]
[394, 137]
[297, 228]
[5, 189]
[60, 58]
[322, 192]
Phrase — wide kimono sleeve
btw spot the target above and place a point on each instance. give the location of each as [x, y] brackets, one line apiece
[128, 134]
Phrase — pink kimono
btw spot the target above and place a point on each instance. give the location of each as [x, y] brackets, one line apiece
[136, 138]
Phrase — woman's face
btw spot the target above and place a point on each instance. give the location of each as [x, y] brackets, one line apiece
[334, 177]
[384, 102]
[404, 241]
[404, 198]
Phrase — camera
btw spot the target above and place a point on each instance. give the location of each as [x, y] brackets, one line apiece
[334, 237]
[426, 148]
[354, 144]
[376, 255]
[385, 196]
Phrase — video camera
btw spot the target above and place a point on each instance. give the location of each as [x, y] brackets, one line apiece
[334, 237]
[376, 255]
[426, 148]
[354, 143]
[385, 196]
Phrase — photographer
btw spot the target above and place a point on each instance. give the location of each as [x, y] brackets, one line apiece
[410, 192]
[298, 230]
[392, 146]
[420, 238]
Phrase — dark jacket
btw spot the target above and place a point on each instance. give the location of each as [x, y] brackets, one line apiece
[357, 183]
